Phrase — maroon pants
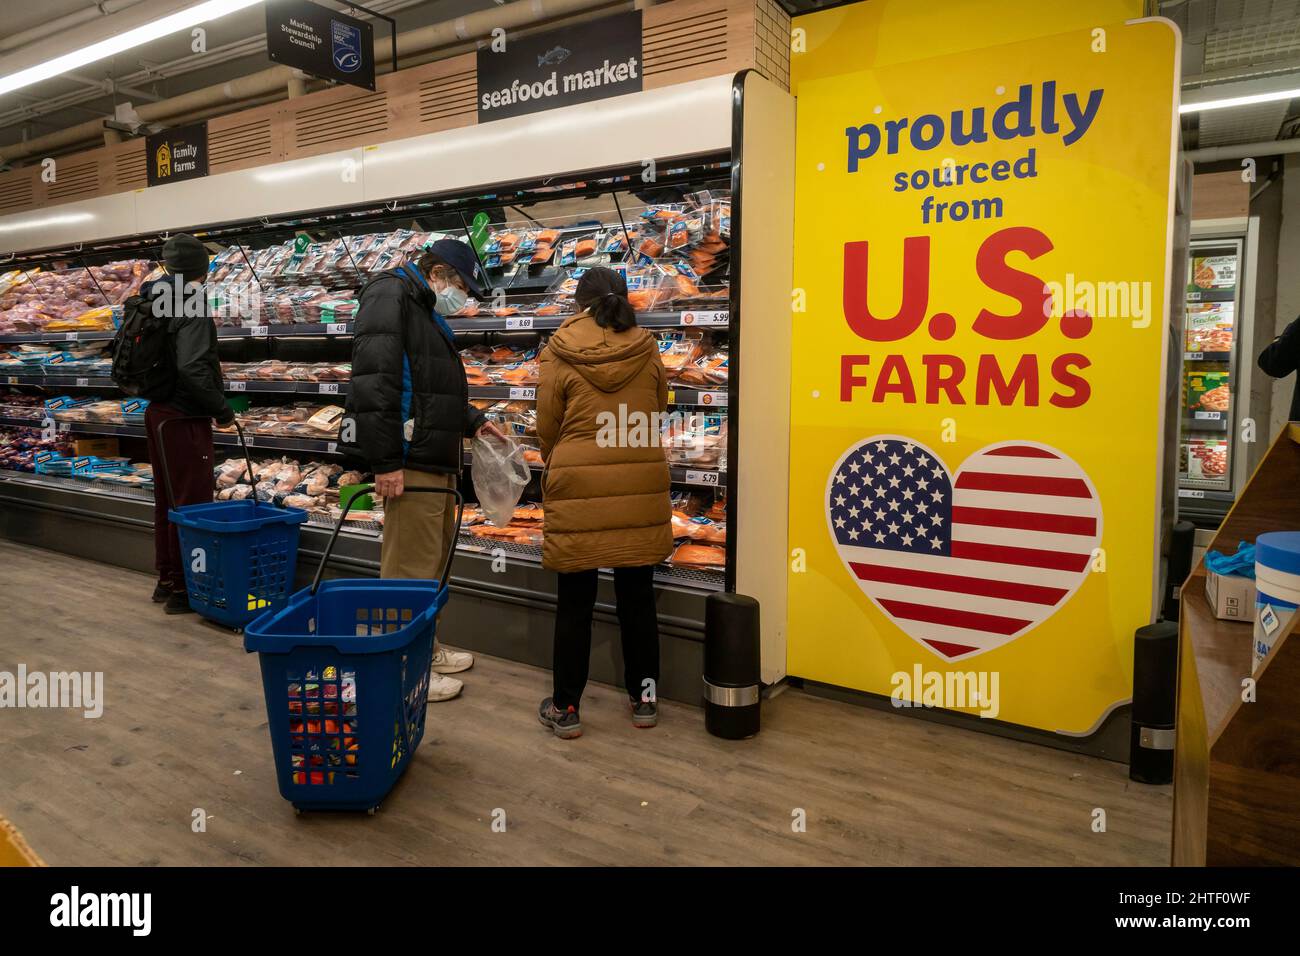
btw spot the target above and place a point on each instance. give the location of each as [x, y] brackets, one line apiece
[189, 463]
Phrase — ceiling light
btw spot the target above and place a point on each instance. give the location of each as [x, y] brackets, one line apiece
[1250, 100]
[164, 26]
[62, 219]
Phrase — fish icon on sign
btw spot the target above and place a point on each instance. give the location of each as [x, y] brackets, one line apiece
[554, 56]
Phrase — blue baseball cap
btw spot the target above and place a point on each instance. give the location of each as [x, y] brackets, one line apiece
[461, 257]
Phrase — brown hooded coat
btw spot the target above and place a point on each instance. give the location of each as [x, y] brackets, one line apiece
[607, 503]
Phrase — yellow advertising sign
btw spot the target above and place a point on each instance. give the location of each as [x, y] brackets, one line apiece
[981, 255]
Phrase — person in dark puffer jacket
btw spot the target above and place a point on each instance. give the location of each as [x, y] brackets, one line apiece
[408, 412]
[195, 401]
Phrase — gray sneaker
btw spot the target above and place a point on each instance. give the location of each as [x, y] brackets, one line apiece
[564, 722]
[645, 713]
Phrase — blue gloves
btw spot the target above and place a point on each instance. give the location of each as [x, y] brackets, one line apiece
[1242, 563]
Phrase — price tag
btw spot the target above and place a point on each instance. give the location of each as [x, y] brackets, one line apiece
[519, 322]
[1193, 297]
[336, 328]
[526, 394]
[259, 331]
[328, 388]
[713, 398]
[65, 426]
[1190, 493]
[249, 440]
[13, 379]
[332, 447]
[1209, 416]
[237, 386]
[1195, 356]
[705, 318]
[694, 477]
[82, 382]
[70, 337]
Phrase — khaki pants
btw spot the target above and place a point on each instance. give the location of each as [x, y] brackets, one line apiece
[417, 528]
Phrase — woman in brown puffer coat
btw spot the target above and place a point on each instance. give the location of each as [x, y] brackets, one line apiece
[601, 388]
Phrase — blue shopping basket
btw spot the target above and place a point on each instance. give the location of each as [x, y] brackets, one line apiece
[345, 671]
[240, 556]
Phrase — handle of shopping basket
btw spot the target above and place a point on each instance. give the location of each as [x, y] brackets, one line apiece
[444, 579]
[162, 451]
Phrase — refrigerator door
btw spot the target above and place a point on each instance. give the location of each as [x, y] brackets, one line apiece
[1210, 393]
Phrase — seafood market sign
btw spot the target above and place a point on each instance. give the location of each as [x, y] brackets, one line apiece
[576, 64]
[975, 447]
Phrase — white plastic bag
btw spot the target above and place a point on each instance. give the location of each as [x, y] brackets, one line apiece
[500, 474]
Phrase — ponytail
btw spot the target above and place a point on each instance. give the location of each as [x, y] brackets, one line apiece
[603, 293]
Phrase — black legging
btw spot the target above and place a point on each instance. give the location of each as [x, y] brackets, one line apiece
[634, 591]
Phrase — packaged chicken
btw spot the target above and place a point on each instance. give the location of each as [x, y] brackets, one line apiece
[701, 557]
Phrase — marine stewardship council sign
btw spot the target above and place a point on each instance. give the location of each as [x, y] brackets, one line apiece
[321, 42]
[575, 64]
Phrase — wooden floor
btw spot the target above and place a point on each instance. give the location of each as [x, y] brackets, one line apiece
[184, 728]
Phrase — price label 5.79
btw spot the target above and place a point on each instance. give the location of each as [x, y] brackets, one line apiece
[694, 477]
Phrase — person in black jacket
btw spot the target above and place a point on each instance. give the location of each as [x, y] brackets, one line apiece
[1282, 357]
[194, 402]
[408, 412]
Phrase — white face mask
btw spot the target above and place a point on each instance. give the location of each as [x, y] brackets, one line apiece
[450, 300]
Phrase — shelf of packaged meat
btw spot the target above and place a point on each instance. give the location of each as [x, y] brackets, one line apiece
[703, 475]
[697, 559]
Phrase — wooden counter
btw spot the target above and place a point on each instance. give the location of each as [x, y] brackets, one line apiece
[1237, 764]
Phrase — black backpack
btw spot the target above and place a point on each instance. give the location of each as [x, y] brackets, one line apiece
[144, 361]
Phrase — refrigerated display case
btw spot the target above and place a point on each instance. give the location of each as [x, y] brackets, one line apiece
[1215, 382]
[283, 293]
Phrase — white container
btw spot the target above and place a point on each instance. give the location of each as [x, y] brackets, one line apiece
[1277, 587]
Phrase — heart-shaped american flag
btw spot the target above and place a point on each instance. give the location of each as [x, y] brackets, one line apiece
[963, 563]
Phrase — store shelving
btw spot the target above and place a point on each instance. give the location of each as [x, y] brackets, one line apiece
[244, 341]
[58, 381]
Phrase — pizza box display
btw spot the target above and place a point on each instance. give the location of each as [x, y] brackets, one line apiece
[1207, 390]
[1204, 458]
[1209, 327]
[1213, 272]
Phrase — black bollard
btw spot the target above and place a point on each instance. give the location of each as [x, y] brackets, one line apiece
[732, 673]
[1155, 703]
[1181, 540]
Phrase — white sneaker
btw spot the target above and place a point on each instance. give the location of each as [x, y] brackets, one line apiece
[450, 662]
[443, 688]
